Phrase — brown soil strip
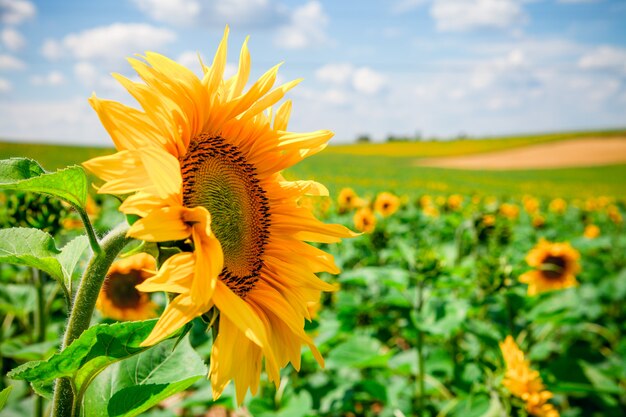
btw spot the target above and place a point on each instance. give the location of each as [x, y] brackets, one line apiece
[562, 154]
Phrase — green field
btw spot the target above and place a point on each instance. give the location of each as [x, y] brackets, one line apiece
[390, 166]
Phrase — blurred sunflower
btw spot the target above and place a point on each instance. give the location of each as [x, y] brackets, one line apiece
[454, 202]
[510, 211]
[557, 266]
[348, 200]
[614, 215]
[203, 164]
[431, 211]
[558, 206]
[364, 220]
[531, 204]
[591, 231]
[119, 298]
[386, 204]
[524, 382]
[538, 221]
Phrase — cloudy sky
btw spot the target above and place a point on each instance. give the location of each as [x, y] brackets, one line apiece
[438, 67]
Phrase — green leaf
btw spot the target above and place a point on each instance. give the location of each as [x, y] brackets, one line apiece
[35, 248]
[69, 184]
[4, 396]
[358, 352]
[132, 386]
[95, 349]
[30, 247]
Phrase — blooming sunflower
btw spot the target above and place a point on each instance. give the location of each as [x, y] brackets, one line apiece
[556, 267]
[558, 206]
[524, 382]
[202, 163]
[591, 231]
[364, 220]
[531, 204]
[510, 211]
[348, 200]
[119, 298]
[454, 202]
[386, 204]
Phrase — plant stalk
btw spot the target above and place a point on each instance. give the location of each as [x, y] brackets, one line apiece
[419, 403]
[40, 324]
[82, 310]
[91, 234]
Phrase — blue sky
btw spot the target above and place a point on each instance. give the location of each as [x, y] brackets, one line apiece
[437, 67]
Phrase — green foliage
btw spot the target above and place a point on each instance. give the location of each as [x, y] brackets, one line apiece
[69, 184]
[32, 247]
[95, 349]
[132, 386]
[4, 396]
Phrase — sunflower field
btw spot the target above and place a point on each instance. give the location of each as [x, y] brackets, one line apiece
[200, 269]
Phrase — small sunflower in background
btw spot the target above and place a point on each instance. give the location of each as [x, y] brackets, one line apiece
[119, 298]
[531, 204]
[614, 214]
[538, 221]
[524, 382]
[558, 206]
[454, 202]
[556, 267]
[202, 163]
[364, 220]
[386, 204]
[510, 211]
[348, 200]
[591, 231]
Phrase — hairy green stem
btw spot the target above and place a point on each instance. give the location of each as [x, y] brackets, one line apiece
[40, 324]
[82, 310]
[91, 234]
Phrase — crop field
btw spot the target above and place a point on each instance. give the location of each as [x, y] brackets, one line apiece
[465, 294]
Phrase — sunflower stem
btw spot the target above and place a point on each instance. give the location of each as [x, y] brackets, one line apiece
[82, 310]
[419, 400]
[40, 325]
[91, 234]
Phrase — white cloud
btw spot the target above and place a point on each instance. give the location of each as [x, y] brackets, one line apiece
[9, 62]
[578, 1]
[108, 43]
[214, 13]
[86, 72]
[335, 73]
[306, 27]
[464, 15]
[175, 12]
[368, 81]
[402, 6]
[604, 58]
[12, 39]
[5, 86]
[14, 12]
[53, 78]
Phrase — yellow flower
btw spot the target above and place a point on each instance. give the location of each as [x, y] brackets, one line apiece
[440, 200]
[524, 382]
[591, 231]
[119, 298]
[364, 220]
[531, 204]
[556, 267]
[202, 163]
[454, 202]
[489, 220]
[510, 211]
[538, 221]
[386, 204]
[614, 214]
[558, 206]
[430, 211]
[425, 201]
[348, 200]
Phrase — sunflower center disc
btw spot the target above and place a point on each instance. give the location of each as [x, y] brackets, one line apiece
[555, 266]
[217, 177]
[120, 289]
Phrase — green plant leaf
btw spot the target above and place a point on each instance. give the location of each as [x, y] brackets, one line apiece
[358, 352]
[30, 247]
[69, 184]
[132, 386]
[95, 349]
[35, 248]
[4, 396]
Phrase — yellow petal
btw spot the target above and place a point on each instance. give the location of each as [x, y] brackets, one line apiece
[179, 311]
[161, 225]
[175, 275]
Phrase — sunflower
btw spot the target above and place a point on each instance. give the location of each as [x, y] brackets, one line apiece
[510, 211]
[524, 382]
[386, 204]
[591, 231]
[119, 298]
[348, 200]
[538, 221]
[557, 266]
[614, 214]
[558, 206]
[202, 163]
[454, 202]
[531, 204]
[364, 220]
